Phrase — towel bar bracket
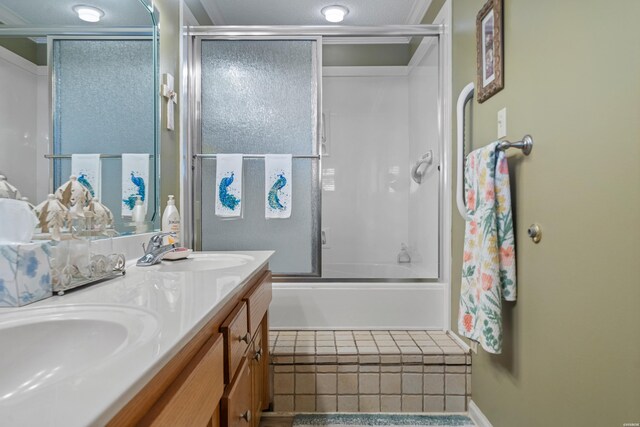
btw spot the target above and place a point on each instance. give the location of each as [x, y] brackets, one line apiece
[526, 145]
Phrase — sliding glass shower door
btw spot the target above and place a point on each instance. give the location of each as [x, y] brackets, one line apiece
[259, 97]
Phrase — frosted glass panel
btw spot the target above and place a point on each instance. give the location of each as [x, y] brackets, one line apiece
[261, 97]
[103, 103]
[258, 96]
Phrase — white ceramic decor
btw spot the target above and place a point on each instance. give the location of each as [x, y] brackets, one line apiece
[8, 191]
[98, 217]
[52, 216]
[74, 196]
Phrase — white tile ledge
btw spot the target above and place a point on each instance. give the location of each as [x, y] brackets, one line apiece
[477, 416]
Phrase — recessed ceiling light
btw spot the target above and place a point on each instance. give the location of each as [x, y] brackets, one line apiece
[335, 13]
[88, 13]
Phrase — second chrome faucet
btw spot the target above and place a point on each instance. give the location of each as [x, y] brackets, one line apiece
[155, 250]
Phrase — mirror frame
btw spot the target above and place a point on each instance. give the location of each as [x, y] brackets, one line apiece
[152, 31]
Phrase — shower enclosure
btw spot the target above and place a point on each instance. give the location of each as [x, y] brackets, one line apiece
[366, 137]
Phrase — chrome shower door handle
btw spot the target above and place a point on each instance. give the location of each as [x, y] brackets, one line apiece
[323, 133]
[420, 167]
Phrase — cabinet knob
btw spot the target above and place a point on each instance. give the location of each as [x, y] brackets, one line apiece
[258, 355]
[246, 416]
[535, 233]
[246, 338]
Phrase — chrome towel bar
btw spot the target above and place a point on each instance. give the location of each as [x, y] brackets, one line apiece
[526, 145]
[256, 156]
[102, 156]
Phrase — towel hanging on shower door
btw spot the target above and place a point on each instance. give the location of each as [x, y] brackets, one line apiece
[278, 183]
[488, 269]
[135, 180]
[229, 185]
[87, 168]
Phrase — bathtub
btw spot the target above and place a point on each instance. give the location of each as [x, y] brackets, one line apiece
[383, 271]
[361, 305]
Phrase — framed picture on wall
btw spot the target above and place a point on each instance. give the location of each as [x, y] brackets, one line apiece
[489, 48]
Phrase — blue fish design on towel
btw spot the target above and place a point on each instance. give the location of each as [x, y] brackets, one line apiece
[139, 183]
[273, 199]
[227, 199]
[82, 179]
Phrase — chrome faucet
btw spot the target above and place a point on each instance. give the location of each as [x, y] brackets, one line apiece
[154, 250]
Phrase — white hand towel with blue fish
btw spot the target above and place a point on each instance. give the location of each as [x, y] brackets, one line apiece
[88, 170]
[229, 185]
[278, 185]
[135, 181]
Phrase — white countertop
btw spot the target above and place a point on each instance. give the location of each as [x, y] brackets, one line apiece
[180, 302]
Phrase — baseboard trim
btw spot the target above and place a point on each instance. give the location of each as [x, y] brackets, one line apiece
[477, 416]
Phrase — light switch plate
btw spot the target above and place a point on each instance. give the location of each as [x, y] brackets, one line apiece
[474, 346]
[502, 123]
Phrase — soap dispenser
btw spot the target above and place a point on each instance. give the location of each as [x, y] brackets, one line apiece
[171, 221]
[138, 215]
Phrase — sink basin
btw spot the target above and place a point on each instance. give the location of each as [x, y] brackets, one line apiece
[42, 346]
[204, 261]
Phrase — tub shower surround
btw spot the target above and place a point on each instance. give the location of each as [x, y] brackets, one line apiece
[369, 371]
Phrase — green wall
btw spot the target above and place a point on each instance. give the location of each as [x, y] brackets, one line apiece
[572, 340]
[26, 48]
[170, 62]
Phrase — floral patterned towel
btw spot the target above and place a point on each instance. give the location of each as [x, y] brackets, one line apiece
[489, 268]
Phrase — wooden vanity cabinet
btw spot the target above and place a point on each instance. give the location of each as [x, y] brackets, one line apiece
[236, 403]
[260, 370]
[242, 405]
[237, 340]
[192, 398]
[220, 377]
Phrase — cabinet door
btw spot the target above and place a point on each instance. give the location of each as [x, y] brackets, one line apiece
[266, 377]
[257, 377]
[236, 402]
[215, 419]
[192, 399]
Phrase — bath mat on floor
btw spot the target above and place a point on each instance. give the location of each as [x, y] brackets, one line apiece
[386, 420]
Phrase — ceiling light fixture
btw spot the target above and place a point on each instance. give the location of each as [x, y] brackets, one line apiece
[335, 13]
[88, 13]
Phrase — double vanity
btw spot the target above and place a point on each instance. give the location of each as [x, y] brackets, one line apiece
[178, 343]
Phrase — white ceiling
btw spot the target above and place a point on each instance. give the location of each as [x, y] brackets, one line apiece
[117, 13]
[307, 12]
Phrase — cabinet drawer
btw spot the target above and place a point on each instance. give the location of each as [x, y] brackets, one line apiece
[258, 300]
[193, 397]
[236, 402]
[236, 340]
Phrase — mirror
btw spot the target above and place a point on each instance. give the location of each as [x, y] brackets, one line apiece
[80, 80]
